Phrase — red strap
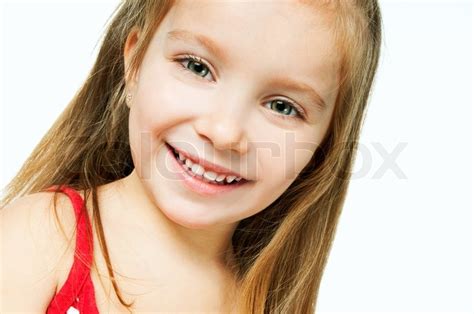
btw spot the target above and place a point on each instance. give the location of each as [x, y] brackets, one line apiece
[78, 290]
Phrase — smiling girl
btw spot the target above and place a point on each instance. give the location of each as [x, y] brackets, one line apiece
[201, 167]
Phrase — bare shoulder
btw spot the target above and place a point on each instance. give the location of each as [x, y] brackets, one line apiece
[34, 251]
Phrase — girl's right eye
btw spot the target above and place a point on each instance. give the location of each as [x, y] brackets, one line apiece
[196, 65]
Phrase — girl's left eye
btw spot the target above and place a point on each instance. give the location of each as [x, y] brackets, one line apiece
[286, 107]
[198, 66]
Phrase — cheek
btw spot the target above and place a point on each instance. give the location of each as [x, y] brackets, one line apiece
[157, 105]
[166, 97]
[285, 153]
[160, 103]
[299, 150]
[281, 158]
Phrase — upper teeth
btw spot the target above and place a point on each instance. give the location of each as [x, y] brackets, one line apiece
[210, 175]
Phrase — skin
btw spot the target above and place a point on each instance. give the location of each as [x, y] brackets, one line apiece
[225, 116]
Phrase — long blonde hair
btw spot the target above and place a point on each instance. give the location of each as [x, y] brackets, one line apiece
[281, 252]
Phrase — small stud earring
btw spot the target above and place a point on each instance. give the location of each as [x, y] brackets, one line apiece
[128, 99]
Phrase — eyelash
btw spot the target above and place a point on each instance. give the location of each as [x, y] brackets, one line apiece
[299, 112]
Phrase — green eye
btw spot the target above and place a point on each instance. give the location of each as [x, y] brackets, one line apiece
[198, 67]
[286, 108]
[281, 106]
[195, 65]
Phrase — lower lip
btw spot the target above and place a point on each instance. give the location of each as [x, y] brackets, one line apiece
[197, 185]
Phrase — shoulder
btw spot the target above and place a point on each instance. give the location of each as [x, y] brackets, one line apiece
[35, 248]
[34, 217]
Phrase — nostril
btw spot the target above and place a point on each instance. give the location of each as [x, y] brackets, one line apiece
[206, 139]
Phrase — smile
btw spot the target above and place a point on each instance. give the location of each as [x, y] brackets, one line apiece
[200, 180]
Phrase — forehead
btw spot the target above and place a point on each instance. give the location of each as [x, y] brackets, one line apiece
[268, 37]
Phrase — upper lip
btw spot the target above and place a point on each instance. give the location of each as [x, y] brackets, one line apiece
[206, 164]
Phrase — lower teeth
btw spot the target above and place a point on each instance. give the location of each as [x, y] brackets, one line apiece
[204, 179]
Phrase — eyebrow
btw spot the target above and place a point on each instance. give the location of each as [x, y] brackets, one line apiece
[202, 40]
[214, 48]
[288, 83]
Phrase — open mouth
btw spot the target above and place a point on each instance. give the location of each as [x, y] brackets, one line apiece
[199, 173]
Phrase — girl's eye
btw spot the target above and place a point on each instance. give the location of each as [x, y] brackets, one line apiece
[286, 108]
[195, 64]
[199, 67]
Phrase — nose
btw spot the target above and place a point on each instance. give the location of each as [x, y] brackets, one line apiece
[223, 129]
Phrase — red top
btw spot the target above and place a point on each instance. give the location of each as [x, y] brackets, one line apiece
[78, 290]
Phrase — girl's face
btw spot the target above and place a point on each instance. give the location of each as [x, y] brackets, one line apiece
[257, 100]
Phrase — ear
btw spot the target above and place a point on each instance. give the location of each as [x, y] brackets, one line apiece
[128, 50]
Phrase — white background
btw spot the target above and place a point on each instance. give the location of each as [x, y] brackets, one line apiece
[403, 244]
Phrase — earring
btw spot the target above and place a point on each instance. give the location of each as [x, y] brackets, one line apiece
[128, 99]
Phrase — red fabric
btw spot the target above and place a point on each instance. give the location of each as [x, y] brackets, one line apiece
[78, 290]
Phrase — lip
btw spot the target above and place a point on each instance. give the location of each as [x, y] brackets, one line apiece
[197, 185]
[206, 164]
